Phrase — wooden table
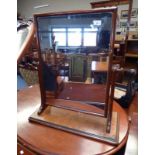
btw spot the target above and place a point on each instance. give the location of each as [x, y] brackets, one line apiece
[44, 140]
[99, 71]
[98, 66]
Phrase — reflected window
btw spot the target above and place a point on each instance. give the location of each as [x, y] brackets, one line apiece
[60, 36]
[74, 37]
[89, 37]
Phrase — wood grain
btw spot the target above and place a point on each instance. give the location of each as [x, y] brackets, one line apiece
[90, 125]
[45, 140]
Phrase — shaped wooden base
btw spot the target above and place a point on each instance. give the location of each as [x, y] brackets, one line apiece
[88, 125]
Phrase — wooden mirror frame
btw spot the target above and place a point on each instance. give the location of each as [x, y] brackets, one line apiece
[108, 97]
[112, 39]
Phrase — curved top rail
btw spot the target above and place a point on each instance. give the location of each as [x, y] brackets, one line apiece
[24, 39]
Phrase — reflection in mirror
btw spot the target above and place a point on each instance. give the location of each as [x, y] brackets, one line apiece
[74, 32]
[68, 43]
[82, 33]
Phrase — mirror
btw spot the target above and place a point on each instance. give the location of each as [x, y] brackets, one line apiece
[72, 37]
[75, 37]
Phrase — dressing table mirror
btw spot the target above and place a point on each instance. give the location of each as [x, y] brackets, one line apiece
[76, 34]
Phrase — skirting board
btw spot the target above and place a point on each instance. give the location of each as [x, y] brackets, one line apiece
[88, 125]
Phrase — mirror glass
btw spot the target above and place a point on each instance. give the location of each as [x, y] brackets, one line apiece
[68, 39]
[73, 33]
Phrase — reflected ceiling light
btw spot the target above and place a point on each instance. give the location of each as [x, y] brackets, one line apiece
[106, 8]
[40, 6]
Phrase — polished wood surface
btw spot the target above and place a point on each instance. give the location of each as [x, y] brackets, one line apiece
[97, 66]
[80, 122]
[45, 140]
[22, 150]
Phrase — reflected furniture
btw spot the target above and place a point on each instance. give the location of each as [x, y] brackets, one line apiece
[97, 66]
[53, 83]
[77, 67]
[99, 71]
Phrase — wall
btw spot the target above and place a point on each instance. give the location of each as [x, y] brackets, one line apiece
[120, 20]
[26, 7]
